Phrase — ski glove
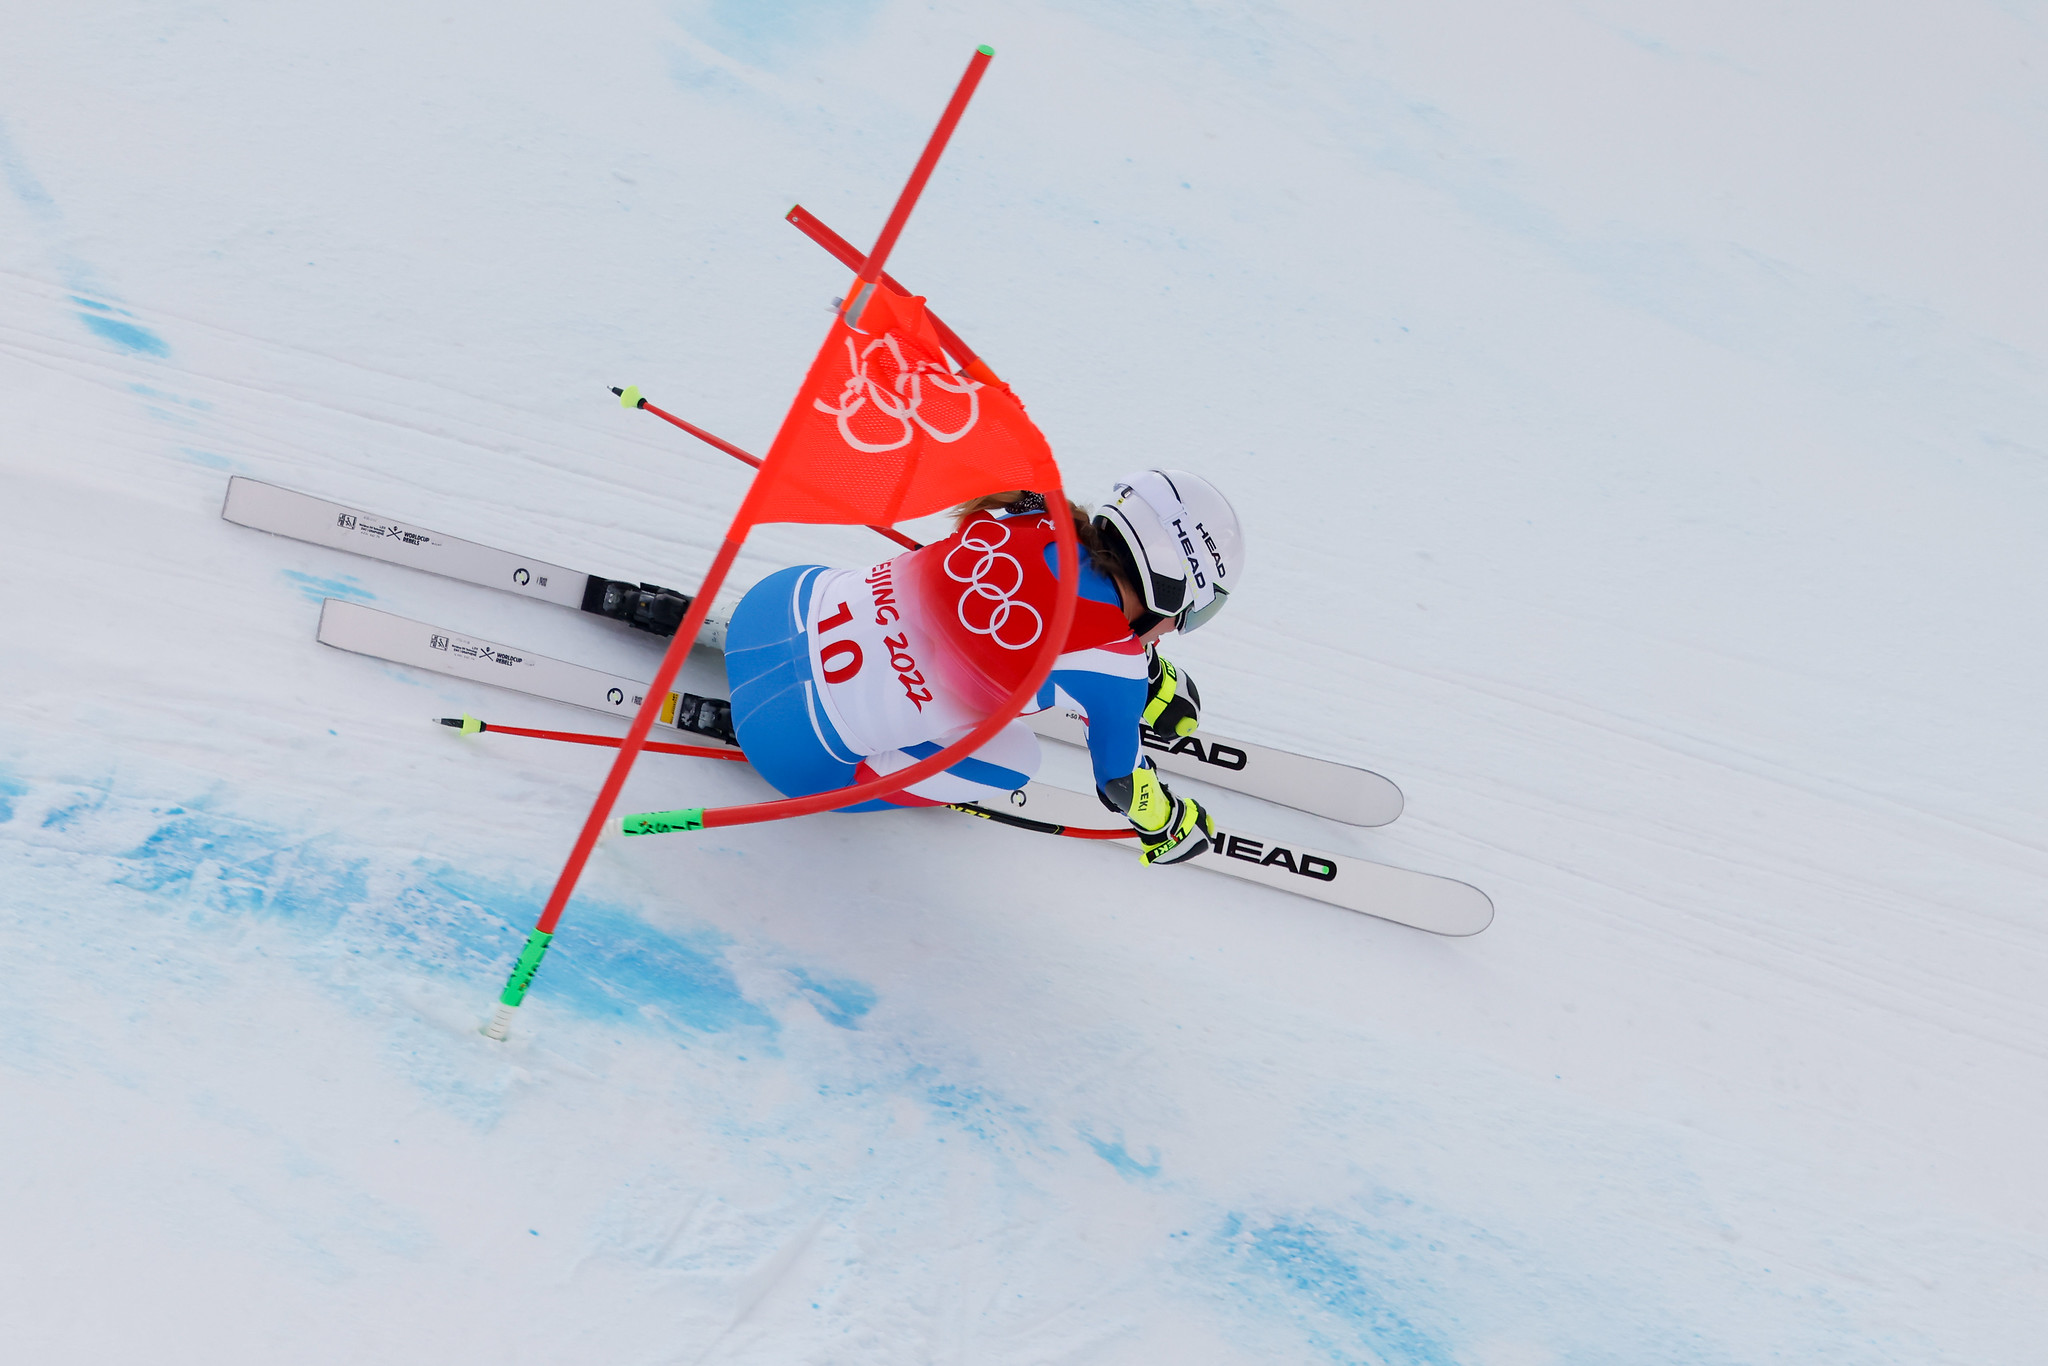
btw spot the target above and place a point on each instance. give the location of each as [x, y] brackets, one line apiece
[1173, 705]
[1170, 829]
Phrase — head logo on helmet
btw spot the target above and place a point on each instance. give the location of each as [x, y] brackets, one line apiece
[1153, 521]
[1187, 548]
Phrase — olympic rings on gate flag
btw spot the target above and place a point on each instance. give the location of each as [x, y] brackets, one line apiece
[1000, 595]
[898, 392]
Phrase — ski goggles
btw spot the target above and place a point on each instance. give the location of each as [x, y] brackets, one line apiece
[1188, 620]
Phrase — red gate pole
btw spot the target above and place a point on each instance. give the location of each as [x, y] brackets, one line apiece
[871, 270]
[536, 946]
[848, 255]
[543, 932]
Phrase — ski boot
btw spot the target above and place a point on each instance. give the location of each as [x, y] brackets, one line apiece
[645, 607]
[710, 716]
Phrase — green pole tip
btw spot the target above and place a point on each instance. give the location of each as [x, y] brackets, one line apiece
[663, 822]
[985, 50]
[470, 725]
[629, 397]
[523, 970]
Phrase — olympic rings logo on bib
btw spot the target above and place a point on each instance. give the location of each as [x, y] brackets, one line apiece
[989, 607]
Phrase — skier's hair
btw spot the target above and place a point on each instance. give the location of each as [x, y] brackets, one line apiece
[1020, 500]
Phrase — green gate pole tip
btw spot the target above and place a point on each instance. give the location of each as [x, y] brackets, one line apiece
[663, 822]
[985, 50]
[515, 986]
[630, 396]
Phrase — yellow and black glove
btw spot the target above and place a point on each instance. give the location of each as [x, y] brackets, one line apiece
[1173, 705]
[1170, 829]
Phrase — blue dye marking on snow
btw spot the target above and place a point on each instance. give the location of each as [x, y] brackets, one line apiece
[952, 1098]
[209, 459]
[246, 868]
[616, 965]
[22, 181]
[612, 965]
[88, 803]
[313, 588]
[130, 337]
[103, 307]
[609, 965]
[974, 1110]
[10, 788]
[1303, 1259]
[759, 31]
[841, 1002]
[143, 389]
[1119, 1157]
[690, 72]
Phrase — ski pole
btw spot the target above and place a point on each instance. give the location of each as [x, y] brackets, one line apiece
[689, 818]
[631, 397]
[469, 725]
[1042, 827]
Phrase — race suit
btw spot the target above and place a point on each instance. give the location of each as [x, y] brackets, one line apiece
[842, 674]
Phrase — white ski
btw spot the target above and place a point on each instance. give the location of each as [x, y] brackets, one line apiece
[1322, 787]
[386, 635]
[338, 526]
[1356, 796]
[1437, 904]
[266, 507]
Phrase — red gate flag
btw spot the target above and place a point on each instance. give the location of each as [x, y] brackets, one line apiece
[883, 430]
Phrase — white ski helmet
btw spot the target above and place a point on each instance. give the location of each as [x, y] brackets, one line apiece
[1182, 539]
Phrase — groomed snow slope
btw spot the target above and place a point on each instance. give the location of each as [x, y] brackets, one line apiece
[1639, 412]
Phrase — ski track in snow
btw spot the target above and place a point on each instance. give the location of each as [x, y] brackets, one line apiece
[1639, 415]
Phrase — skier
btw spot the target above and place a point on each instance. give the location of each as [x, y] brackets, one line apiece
[839, 675]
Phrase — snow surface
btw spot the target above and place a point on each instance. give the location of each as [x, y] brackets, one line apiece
[1639, 409]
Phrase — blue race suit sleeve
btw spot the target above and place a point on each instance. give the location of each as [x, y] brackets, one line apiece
[1114, 706]
[1113, 693]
